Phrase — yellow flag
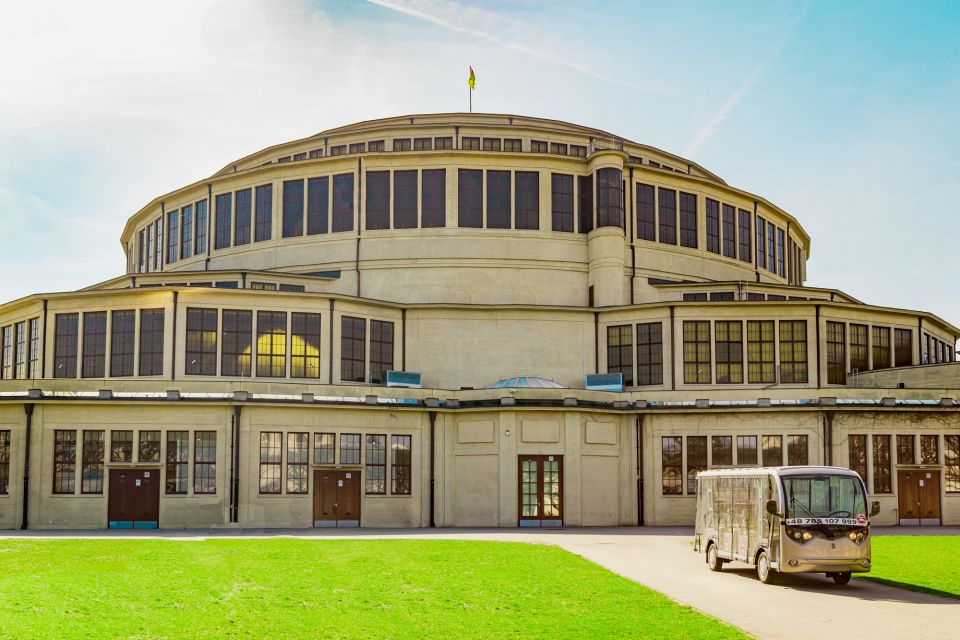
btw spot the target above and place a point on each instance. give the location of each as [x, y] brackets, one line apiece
[472, 81]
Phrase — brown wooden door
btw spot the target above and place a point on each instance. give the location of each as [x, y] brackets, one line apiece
[336, 498]
[918, 494]
[133, 499]
[540, 491]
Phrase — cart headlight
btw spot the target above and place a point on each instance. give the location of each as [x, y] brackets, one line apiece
[807, 536]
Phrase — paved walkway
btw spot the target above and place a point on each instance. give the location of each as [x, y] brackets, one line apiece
[662, 558]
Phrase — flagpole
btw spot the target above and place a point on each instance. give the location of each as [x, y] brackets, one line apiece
[471, 99]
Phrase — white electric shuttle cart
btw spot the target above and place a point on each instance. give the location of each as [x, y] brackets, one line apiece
[785, 519]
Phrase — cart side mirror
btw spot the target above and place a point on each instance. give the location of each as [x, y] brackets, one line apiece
[874, 508]
[772, 508]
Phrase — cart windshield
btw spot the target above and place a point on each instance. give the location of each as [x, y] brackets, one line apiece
[825, 499]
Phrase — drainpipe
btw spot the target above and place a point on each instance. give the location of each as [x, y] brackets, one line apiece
[235, 464]
[596, 342]
[43, 357]
[330, 349]
[403, 339]
[633, 243]
[639, 423]
[828, 438]
[359, 230]
[173, 354]
[817, 368]
[433, 445]
[673, 355]
[206, 265]
[28, 410]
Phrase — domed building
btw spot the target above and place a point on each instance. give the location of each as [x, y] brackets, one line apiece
[460, 320]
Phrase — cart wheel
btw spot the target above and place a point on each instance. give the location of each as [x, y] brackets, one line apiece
[765, 573]
[713, 560]
[841, 578]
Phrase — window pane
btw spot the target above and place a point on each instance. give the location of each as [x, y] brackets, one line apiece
[94, 344]
[527, 200]
[64, 461]
[746, 450]
[797, 450]
[620, 352]
[400, 465]
[376, 465]
[292, 208]
[264, 213]
[378, 200]
[696, 460]
[271, 344]
[323, 448]
[381, 350]
[149, 446]
[178, 457]
[349, 448]
[235, 354]
[121, 446]
[270, 459]
[650, 353]
[470, 198]
[298, 460]
[672, 461]
[772, 451]
[122, 325]
[498, 199]
[404, 199]
[722, 451]
[434, 204]
[352, 349]
[343, 202]
[561, 198]
[668, 215]
[205, 462]
[609, 197]
[305, 345]
[92, 470]
[151, 342]
[881, 464]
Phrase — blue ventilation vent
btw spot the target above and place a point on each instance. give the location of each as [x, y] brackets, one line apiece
[404, 379]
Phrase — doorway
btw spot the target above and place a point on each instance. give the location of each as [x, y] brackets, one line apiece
[540, 491]
[918, 495]
[133, 501]
[336, 498]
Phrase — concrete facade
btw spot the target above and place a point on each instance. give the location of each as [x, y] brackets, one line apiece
[501, 246]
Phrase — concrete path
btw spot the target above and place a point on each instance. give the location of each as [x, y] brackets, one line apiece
[662, 558]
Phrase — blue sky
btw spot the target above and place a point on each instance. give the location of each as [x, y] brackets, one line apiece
[845, 114]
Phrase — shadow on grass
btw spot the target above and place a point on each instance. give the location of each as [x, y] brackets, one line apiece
[909, 586]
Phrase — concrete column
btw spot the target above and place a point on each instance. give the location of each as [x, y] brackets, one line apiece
[605, 251]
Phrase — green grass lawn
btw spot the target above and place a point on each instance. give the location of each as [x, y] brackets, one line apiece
[920, 563]
[300, 588]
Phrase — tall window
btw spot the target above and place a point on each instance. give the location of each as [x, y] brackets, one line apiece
[349, 448]
[381, 350]
[650, 353]
[201, 242]
[173, 235]
[400, 465]
[561, 199]
[881, 347]
[20, 350]
[836, 353]
[646, 213]
[94, 344]
[223, 220]
[33, 366]
[178, 457]
[151, 341]
[186, 231]
[142, 251]
[668, 215]
[470, 198]
[730, 232]
[881, 464]
[235, 354]
[6, 354]
[271, 344]
[929, 449]
[905, 450]
[857, 446]
[4, 462]
[760, 354]
[671, 450]
[271, 457]
[498, 199]
[121, 446]
[793, 351]
[292, 208]
[746, 450]
[729, 346]
[264, 213]
[688, 220]
[761, 242]
[404, 199]
[797, 454]
[951, 463]
[378, 199]
[696, 352]
[696, 460]
[305, 345]
[721, 453]
[780, 253]
[434, 198]
[376, 465]
[323, 448]
[244, 206]
[771, 247]
[201, 347]
[858, 347]
[298, 461]
[318, 205]
[149, 446]
[585, 203]
[158, 248]
[609, 198]
[713, 226]
[620, 352]
[745, 250]
[204, 462]
[92, 469]
[343, 202]
[64, 461]
[122, 335]
[353, 340]
[527, 200]
[772, 451]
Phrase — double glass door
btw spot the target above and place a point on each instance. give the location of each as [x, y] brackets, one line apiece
[541, 491]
